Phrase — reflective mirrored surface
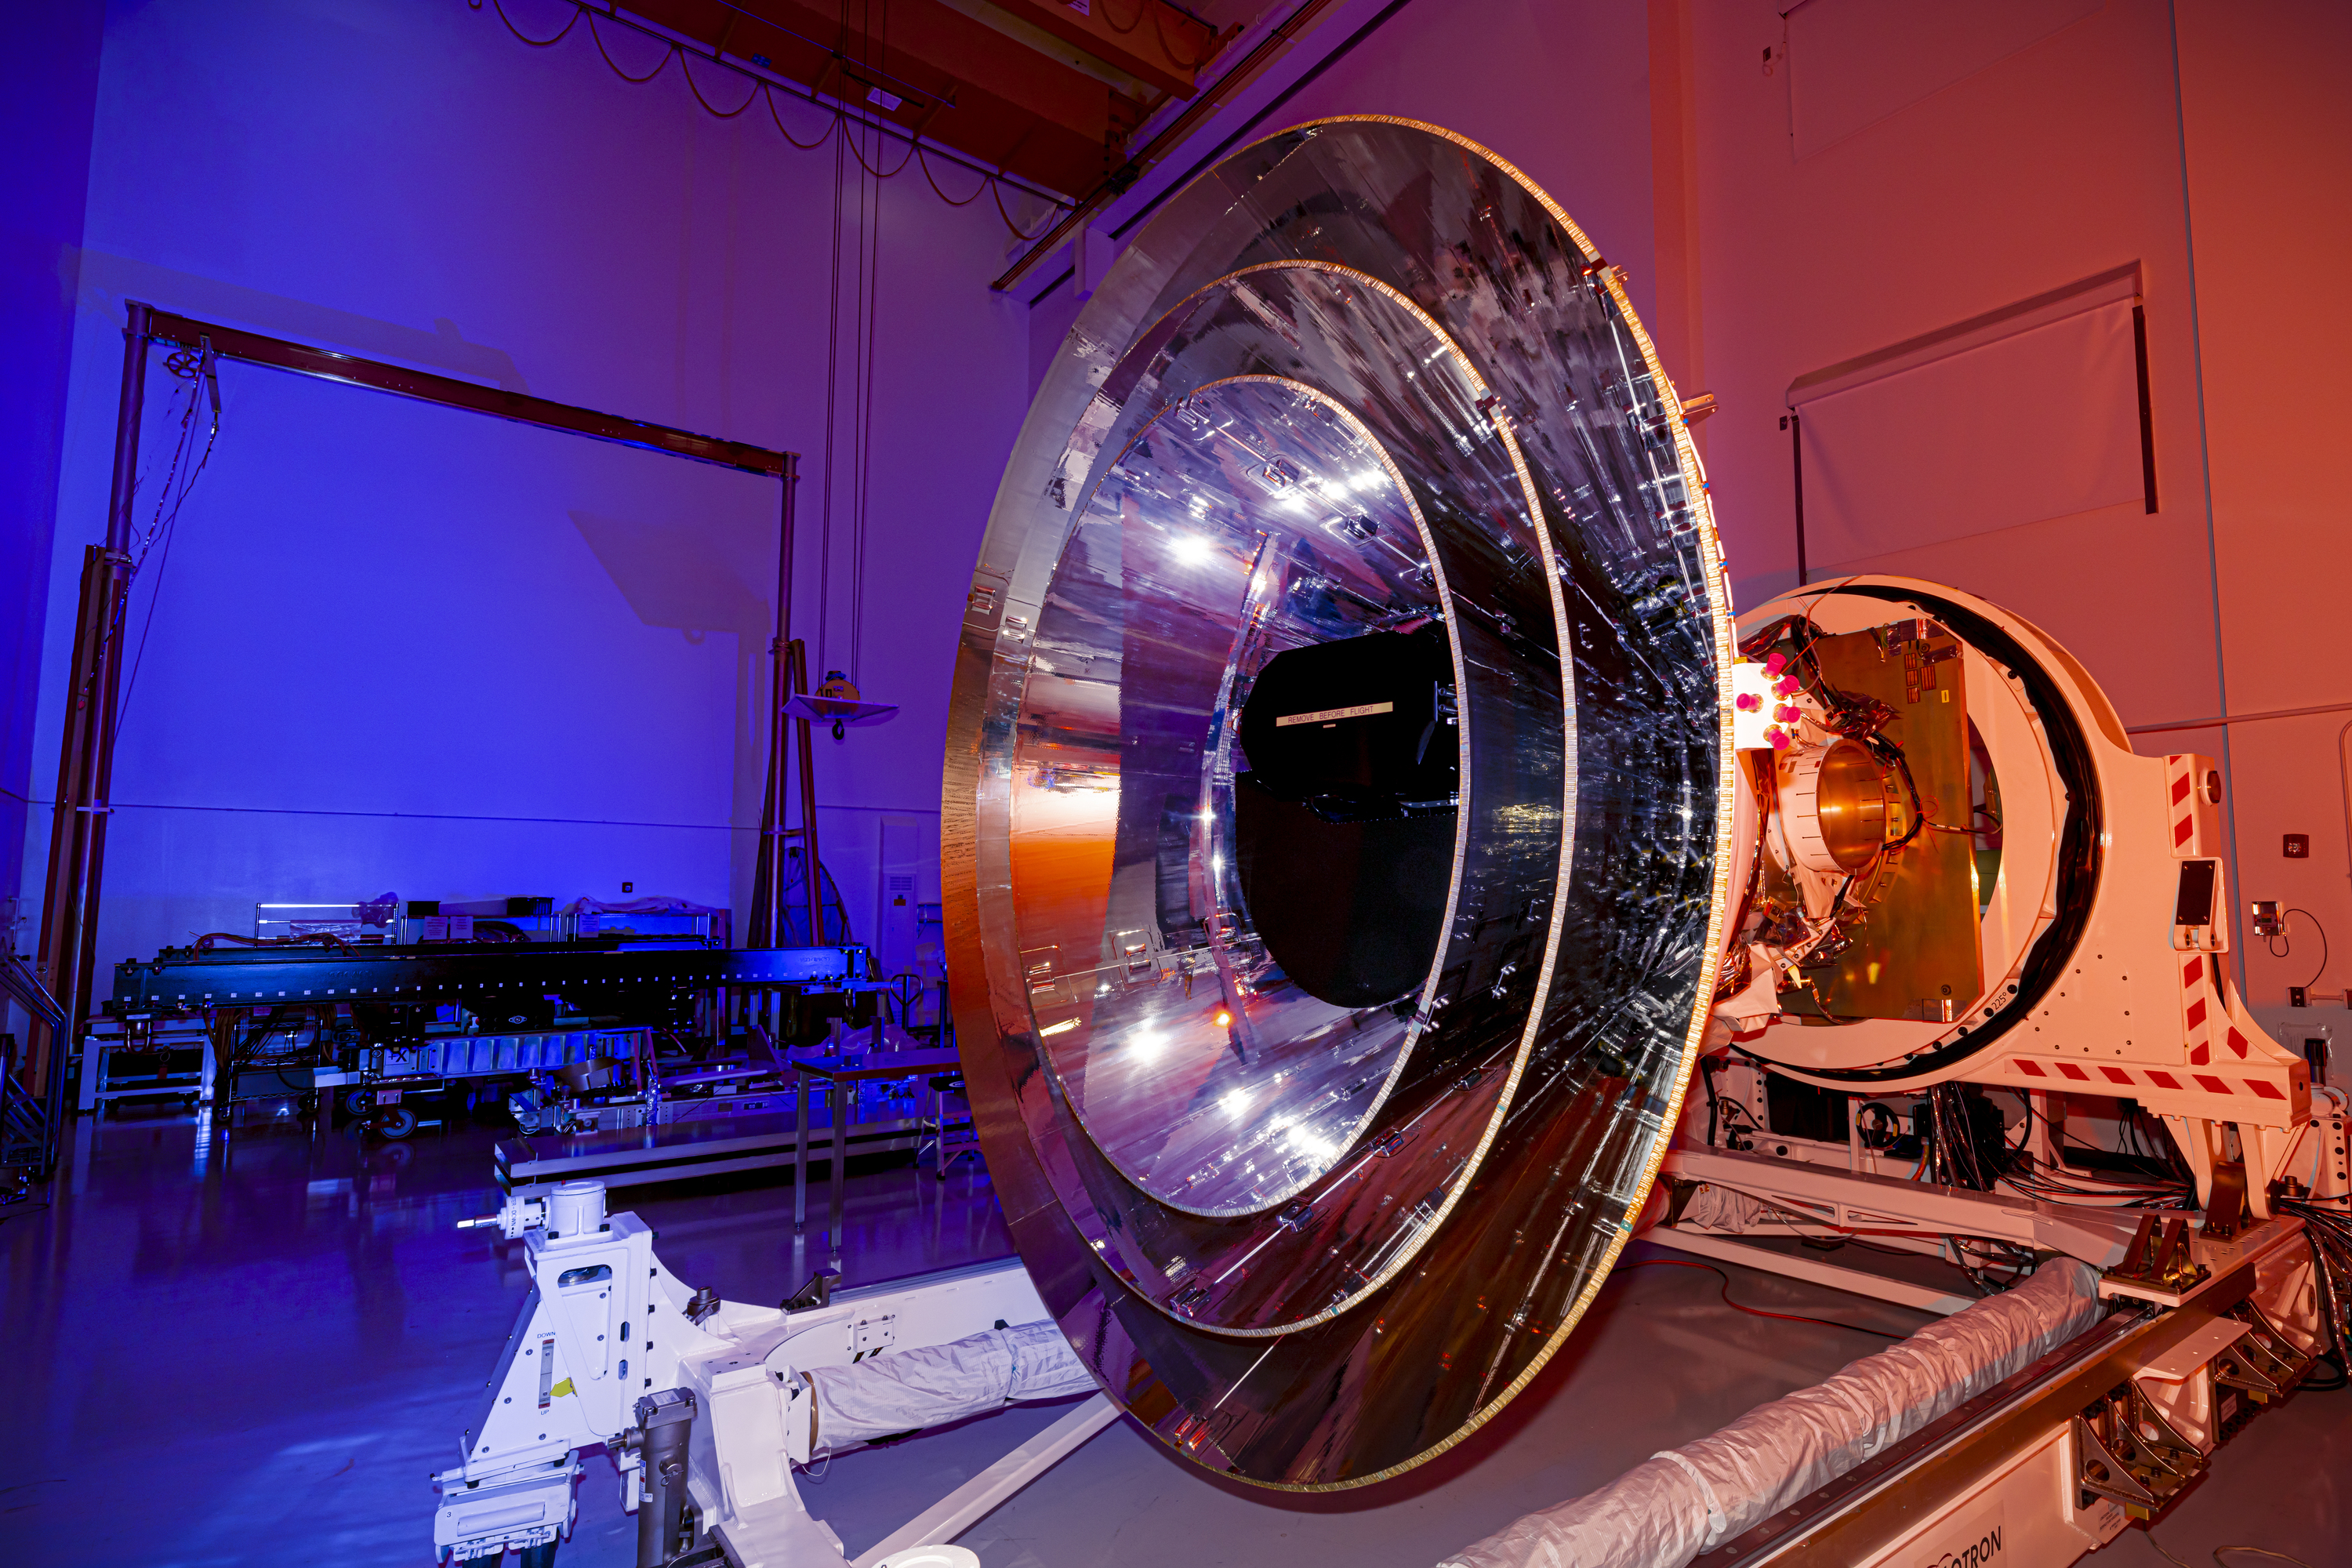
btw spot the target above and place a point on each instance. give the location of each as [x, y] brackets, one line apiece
[1327, 1063]
[1252, 518]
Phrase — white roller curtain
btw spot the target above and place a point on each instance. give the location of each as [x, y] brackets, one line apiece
[2029, 413]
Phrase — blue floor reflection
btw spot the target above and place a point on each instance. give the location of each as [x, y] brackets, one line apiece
[254, 1349]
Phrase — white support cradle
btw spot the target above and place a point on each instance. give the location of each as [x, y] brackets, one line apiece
[605, 1323]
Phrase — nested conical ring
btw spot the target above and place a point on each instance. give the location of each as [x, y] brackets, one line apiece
[1336, 793]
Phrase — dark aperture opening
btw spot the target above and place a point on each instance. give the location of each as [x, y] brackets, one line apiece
[1344, 821]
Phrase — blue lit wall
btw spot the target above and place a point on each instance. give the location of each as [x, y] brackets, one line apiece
[48, 91]
[402, 648]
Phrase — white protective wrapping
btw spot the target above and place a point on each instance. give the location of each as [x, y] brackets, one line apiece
[1721, 1208]
[903, 1391]
[1667, 1509]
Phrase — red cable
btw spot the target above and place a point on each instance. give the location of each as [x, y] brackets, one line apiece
[1722, 1287]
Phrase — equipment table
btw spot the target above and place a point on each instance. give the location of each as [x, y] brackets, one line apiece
[838, 1070]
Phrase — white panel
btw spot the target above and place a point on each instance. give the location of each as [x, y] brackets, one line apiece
[1854, 62]
[900, 895]
[2041, 425]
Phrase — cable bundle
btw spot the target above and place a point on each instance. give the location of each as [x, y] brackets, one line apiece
[2329, 1232]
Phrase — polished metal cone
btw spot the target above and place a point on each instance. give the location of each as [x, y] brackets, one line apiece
[1337, 795]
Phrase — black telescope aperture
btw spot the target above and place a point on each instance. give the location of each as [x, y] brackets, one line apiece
[1344, 821]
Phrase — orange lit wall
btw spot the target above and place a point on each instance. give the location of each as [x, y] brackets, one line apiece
[2210, 142]
[2269, 168]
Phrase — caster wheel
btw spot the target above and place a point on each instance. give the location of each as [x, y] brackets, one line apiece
[397, 1121]
[541, 1556]
[358, 1102]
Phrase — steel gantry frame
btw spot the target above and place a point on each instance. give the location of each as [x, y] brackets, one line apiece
[66, 961]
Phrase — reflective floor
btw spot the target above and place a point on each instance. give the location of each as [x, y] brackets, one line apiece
[254, 1350]
[254, 1353]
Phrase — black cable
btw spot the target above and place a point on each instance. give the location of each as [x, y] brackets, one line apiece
[200, 371]
[1880, 1139]
[2278, 951]
[2318, 1223]
[1754, 1127]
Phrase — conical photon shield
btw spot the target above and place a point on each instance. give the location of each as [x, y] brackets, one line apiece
[1337, 792]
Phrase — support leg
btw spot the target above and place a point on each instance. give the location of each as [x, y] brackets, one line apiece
[666, 1419]
[800, 1151]
[843, 1111]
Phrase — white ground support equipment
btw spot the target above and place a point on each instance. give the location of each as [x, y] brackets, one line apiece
[2042, 1420]
[707, 1405]
[1953, 879]
[2028, 1428]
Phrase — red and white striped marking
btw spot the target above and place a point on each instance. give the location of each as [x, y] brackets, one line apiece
[2059, 1073]
[2195, 822]
[2201, 1014]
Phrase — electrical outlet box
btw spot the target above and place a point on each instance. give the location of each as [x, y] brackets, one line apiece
[2295, 997]
[2296, 846]
[2266, 917]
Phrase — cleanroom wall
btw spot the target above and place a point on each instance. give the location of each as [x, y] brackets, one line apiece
[2268, 132]
[1868, 172]
[413, 182]
[398, 646]
[1828, 232]
[48, 94]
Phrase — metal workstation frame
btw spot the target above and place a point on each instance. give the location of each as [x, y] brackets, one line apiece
[66, 961]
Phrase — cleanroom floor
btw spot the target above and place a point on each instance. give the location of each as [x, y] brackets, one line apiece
[254, 1350]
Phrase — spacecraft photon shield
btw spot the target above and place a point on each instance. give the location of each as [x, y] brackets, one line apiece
[1337, 802]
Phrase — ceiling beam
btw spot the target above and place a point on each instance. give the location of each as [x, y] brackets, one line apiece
[1235, 78]
[1156, 44]
[939, 73]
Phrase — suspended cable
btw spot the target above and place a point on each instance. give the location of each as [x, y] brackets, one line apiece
[991, 180]
[526, 38]
[757, 88]
[197, 367]
[978, 191]
[632, 81]
[1052, 216]
[911, 149]
[870, 241]
[1112, 22]
[832, 407]
[833, 123]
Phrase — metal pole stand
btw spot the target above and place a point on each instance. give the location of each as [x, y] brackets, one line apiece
[664, 1422]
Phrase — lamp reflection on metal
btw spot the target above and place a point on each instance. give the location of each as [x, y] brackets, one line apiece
[838, 703]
